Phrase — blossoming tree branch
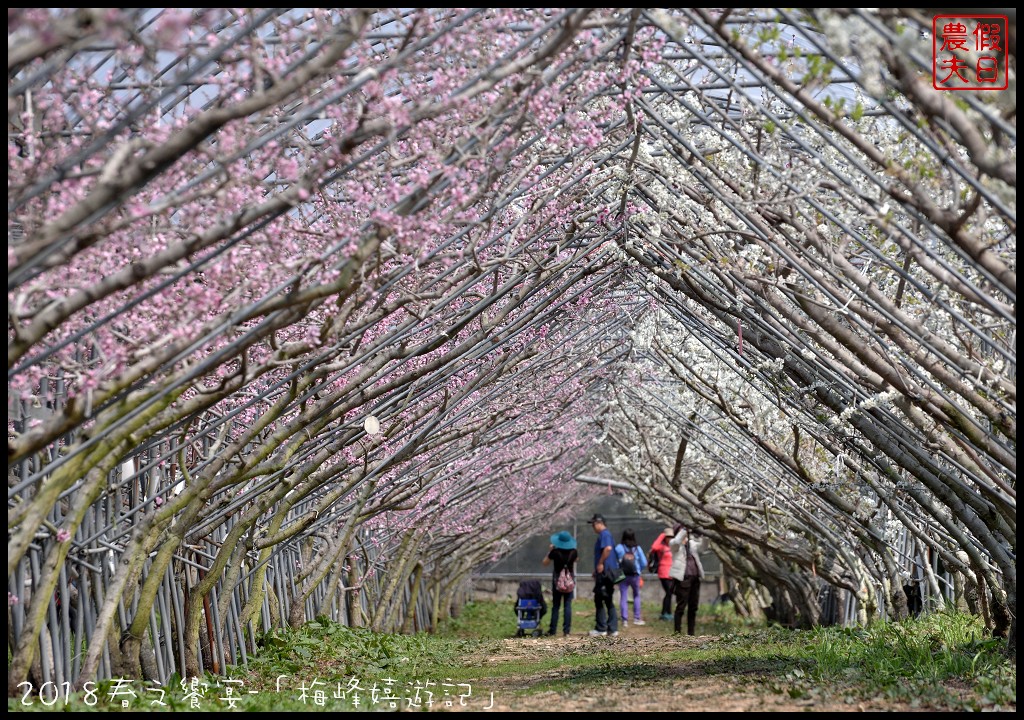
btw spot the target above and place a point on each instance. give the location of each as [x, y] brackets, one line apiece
[297, 295]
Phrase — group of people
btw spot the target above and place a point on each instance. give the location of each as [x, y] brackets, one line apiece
[674, 556]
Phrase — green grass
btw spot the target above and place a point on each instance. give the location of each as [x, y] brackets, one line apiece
[323, 657]
[943, 657]
[941, 661]
[482, 621]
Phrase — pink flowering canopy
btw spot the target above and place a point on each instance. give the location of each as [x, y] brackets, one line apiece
[313, 311]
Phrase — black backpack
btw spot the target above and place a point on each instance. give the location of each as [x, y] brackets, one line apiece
[628, 562]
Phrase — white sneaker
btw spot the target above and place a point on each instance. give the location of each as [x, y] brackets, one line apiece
[614, 634]
[623, 623]
[639, 622]
[598, 633]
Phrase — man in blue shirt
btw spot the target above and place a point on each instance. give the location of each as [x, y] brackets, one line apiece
[606, 567]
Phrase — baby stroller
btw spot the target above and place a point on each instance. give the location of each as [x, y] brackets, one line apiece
[530, 607]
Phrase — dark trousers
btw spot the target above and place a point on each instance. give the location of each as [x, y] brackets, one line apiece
[606, 619]
[666, 603]
[687, 594]
[556, 600]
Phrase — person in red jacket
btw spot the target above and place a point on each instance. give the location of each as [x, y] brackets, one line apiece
[660, 549]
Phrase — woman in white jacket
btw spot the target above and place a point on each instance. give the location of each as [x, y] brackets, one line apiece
[686, 574]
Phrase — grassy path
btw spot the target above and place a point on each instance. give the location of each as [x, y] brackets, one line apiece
[936, 663]
[727, 668]
[637, 672]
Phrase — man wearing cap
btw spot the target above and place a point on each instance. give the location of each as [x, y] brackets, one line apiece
[563, 554]
[606, 566]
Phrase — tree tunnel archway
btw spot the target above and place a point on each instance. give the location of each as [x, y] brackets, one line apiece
[308, 310]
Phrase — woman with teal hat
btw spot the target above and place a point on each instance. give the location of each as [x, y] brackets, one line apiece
[563, 554]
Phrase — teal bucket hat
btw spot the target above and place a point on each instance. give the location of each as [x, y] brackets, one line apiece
[563, 540]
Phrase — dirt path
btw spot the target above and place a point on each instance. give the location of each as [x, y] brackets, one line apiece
[728, 685]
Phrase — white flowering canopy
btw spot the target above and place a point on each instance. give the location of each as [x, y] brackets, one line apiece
[292, 291]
